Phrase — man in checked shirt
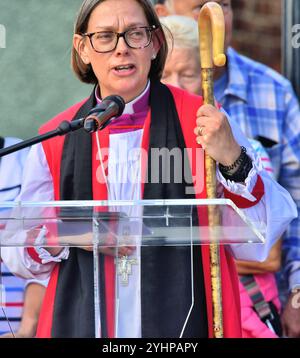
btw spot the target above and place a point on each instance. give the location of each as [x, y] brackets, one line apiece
[266, 108]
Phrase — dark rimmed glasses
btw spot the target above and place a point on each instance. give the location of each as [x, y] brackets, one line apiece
[107, 41]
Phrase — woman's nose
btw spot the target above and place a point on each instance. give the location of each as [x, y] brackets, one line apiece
[122, 46]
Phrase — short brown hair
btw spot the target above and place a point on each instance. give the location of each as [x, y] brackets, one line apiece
[85, 72]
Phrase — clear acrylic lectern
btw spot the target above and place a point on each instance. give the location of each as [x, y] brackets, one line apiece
[120, 229]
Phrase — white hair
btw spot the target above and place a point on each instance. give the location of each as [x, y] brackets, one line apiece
[180, 31]
[167, 3]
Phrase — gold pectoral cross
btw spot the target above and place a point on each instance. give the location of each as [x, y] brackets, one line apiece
[124, 268]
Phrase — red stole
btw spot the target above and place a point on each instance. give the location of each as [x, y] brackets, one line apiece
[187, 106]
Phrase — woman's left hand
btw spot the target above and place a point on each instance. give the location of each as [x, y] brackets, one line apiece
[214, 133]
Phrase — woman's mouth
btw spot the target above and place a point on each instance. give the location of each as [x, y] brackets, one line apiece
[124, 70]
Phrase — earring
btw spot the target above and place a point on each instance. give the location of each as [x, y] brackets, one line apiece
[153, 57]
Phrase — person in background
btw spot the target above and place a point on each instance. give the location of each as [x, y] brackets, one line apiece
[182, 67]
[23, 298]
[265, 106]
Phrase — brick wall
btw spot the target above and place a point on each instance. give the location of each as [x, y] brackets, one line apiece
[257, 30]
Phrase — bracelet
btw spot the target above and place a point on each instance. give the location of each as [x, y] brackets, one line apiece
[244, 168]
[229, 168]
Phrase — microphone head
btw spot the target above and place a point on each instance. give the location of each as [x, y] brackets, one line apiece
[118, 100]
[113, 100]
[100, 116]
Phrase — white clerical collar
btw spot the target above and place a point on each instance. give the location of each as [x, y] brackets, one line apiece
[129, 107]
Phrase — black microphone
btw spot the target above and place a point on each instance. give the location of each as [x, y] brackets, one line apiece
[100, 116]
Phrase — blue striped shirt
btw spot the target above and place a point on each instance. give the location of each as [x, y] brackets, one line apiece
[265, 106]
[11, 303]
[11, 287]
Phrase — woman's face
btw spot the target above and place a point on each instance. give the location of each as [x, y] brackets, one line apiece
[129, 80]
[182, 70]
